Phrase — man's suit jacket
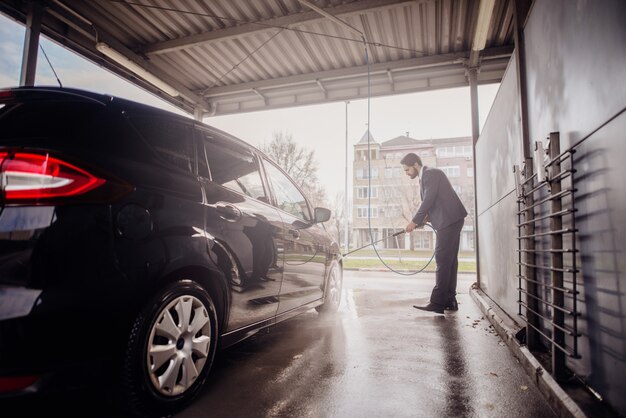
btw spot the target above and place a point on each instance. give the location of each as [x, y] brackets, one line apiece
[439, 200]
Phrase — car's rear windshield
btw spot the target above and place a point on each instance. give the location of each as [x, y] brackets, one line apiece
[37, 123]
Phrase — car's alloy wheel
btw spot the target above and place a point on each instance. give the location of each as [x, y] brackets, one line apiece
[170, 349]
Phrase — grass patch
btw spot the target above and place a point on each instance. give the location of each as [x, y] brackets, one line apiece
[368, 252]
[464, 266]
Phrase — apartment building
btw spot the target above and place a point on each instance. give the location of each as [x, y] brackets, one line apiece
[385, 199]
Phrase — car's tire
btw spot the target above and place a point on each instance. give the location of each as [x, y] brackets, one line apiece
[332, 289]
[170, 349]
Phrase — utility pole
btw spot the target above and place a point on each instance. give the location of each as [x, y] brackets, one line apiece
[345, 209]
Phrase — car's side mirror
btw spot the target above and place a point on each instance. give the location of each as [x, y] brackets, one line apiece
[321, 215]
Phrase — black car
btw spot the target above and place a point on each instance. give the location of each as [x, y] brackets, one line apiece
[142, 241]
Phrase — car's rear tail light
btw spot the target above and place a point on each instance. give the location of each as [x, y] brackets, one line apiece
[6, 94]
[15, 383]
[40, 179]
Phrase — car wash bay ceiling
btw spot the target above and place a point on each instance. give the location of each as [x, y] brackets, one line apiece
[229, 56]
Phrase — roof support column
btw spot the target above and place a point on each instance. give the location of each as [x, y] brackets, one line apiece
[472, 75]
[521, 9]
[31, 44]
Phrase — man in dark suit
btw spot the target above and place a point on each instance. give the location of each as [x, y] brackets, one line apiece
[441, 207]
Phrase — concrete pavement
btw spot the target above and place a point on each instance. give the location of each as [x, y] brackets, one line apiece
[377, 357]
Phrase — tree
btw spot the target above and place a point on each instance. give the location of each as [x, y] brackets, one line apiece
[338, 220]
[299, 162]
[400, 196]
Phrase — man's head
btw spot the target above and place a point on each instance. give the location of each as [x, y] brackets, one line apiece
[411, 164]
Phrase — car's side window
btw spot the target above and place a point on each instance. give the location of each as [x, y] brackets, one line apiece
[232, 166]
[288, 196]
[171, 139]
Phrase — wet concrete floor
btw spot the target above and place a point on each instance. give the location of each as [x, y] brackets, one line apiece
[377, 357]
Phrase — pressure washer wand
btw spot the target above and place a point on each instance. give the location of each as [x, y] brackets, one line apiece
[375, 242]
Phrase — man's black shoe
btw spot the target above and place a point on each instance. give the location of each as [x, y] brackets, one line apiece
[452, 306]
[430, 308]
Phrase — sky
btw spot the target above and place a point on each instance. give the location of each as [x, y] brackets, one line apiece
[322, 128]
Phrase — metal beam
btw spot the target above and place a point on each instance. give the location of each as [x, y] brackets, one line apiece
[344, 73]
[473, 83]
[246, 29]
[258, 93]
[31, 44]
[520, 11]
[308, 92]
[321, 86]
[390, 77]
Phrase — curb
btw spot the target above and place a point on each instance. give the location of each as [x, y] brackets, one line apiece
[557, 398]
[383, 269]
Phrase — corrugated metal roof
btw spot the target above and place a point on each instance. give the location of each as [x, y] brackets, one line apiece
[229, 56]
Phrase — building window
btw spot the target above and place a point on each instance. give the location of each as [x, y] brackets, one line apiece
[391, 172]
[445, 152]
[457, 189]
[470, 171]
[361, 193]
[422, 239]
[452, 170]
[456, 151]
[361, 212]
[391, 241]
[361, 173]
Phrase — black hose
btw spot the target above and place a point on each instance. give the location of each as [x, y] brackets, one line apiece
[385, 264]
[372, 243]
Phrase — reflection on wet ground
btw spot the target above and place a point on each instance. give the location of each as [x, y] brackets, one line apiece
[377, 357]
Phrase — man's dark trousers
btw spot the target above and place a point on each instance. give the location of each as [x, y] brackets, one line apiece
[446, 257]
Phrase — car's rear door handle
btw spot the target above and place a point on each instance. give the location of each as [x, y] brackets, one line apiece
[227, 212]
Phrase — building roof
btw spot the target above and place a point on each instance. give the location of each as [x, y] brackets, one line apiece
[401, 141]
[442, 141]
[364, 140]
[405, 141]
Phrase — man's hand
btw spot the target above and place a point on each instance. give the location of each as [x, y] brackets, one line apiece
[411, 226]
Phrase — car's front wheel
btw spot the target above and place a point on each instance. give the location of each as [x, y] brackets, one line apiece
[332, 290]
[170, 349]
